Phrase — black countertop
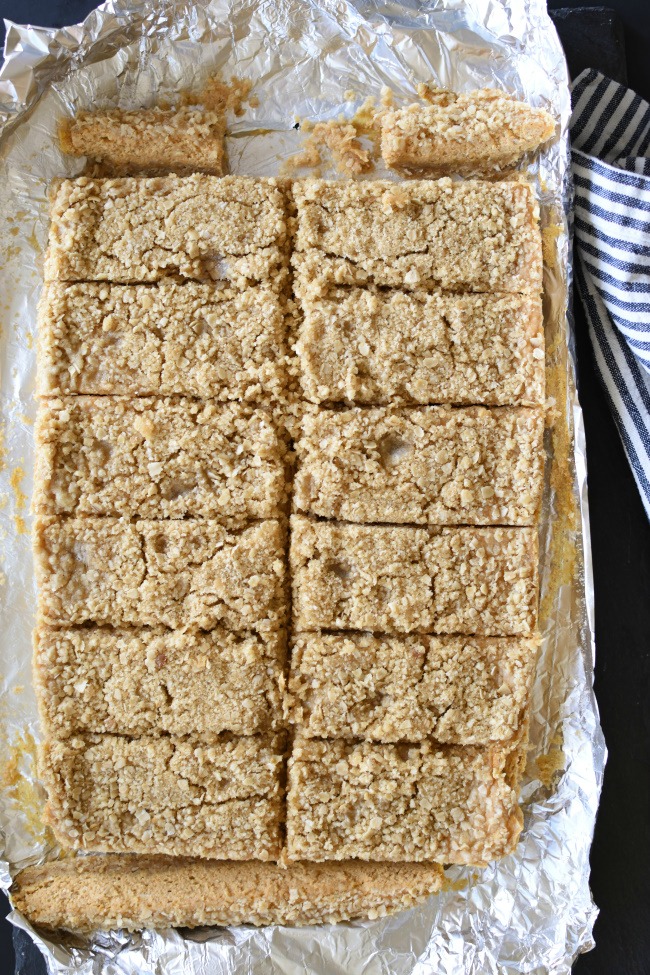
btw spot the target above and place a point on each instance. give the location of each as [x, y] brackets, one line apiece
[595, 37]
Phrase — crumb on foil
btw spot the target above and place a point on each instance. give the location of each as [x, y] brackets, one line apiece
[550, 236]
[341, 139]
[222, 96]
[17, 476]
[20, 780]
[552, 761]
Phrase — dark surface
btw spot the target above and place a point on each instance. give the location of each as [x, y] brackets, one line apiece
[592, 38]
[621, 554]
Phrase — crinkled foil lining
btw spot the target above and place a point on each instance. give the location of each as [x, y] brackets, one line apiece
[531, 912]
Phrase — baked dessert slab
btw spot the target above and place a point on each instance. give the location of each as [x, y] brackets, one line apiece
[366, 345]
[432, 465]
[133, 230]
[100, 680]
[184, 139]
[480, 131]
[194, 574]
[160, 650]
[472, 236]
[191, 339]
[134, 892]
[403, 579]
[158, 458]
[218, 797]
[458, 690]
[396, 802]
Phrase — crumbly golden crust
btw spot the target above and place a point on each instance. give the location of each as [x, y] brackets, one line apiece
[434, 466]
[135, 892]
[132, 229]
[190, 574]
[182, 140]
[158, 458]
[363, 345]
[391, 802]
[192, 339]
[201, 796]
[458, 690]
[472, 235]
[405, 579]
[138, 682]
[481, 131]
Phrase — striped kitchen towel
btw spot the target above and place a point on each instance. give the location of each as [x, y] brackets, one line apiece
[610, 132]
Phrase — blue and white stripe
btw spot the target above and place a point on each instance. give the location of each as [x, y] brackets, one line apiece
[610, 132]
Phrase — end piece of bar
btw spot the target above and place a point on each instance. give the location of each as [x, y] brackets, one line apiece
[158, 458]
[402, 802]
[131, 230]
[458, 690]
[398, 579]
[480, 131]
[371, 346]
[180, 574]
[135, 892]
[463, 236]
[217, 797]
[156, 141]
[434, 466]
[193, 339]
[138, 682]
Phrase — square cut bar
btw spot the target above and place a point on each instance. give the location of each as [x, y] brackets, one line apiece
[402, 802]
[398, 579]
[179, 574]
[434, 466]
[133, 892]
[368, 346]
[158, 458]
[184, 140]
[133, 229]
[139, 682]
[217, 797]
[477, 132]
[469, 236]
[458, 690]
[193, 339]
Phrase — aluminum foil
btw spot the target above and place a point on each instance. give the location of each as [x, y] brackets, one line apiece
[531, 912]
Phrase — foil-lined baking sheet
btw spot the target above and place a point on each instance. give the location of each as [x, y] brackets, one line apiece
[531, 912]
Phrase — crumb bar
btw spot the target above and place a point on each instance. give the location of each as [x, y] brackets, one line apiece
[369, 346]
[458, 690]
[433, 466]
[158, 458]
[216, 798]
[481, 131]
[130, 229]
[413, 580]
[151, 573]
[193, 339]
[135, 892]
[472, 235]
[186, 139]
[140, 682]
[401, 802]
